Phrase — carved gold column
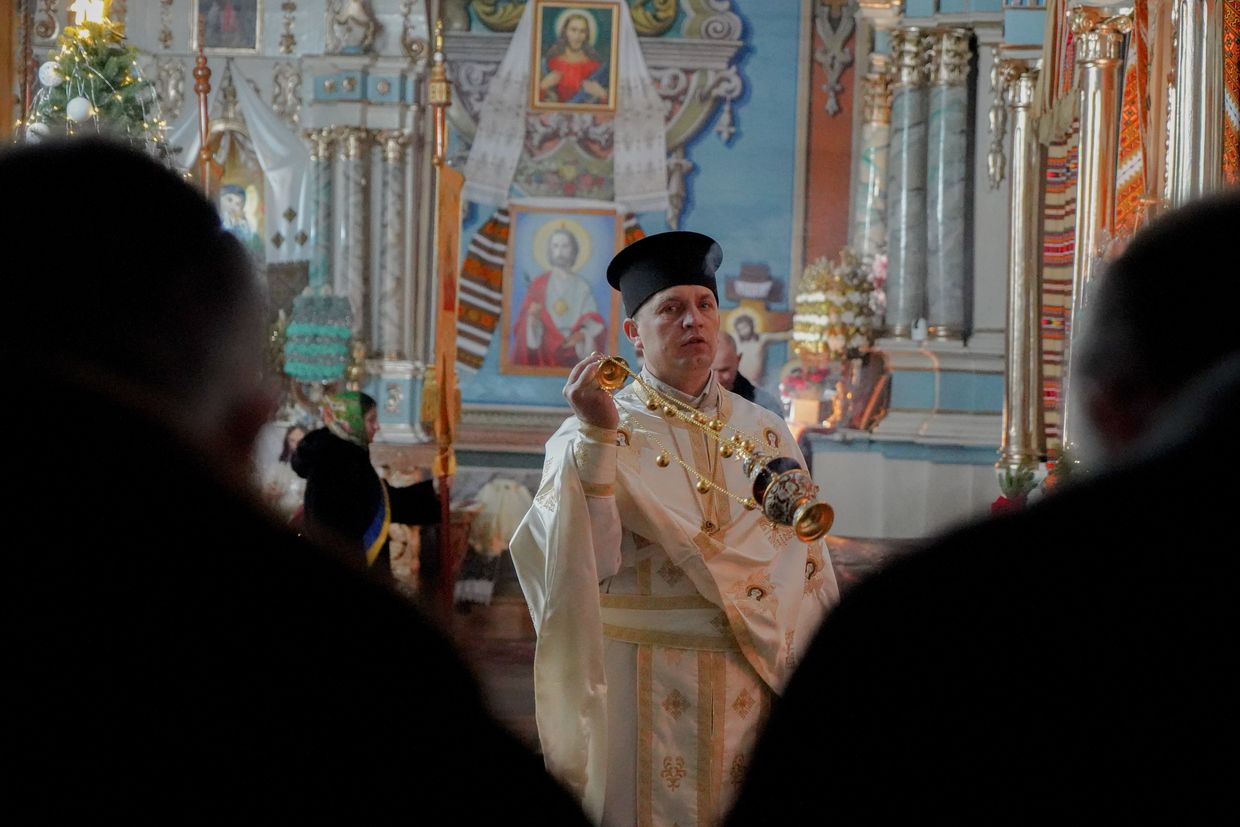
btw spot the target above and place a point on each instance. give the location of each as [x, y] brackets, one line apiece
[1024, 440]
[947, 177]
[1099, 53]
[870, 196]
[391, 273]
[1195, 108]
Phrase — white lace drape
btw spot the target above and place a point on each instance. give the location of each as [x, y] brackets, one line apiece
[284, 159]
[639, 155]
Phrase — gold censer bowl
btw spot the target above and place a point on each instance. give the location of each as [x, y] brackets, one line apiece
[789, 496]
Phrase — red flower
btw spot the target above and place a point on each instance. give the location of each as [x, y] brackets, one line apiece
[1003, 504]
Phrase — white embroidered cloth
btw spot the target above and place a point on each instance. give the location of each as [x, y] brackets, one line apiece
[639, 155]
[284, 159]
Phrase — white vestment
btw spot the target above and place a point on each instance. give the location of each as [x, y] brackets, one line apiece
[666, 618]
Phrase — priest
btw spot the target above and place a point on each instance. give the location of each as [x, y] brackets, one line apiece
[669, 609]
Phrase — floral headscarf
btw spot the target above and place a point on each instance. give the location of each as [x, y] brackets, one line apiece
[342, 414]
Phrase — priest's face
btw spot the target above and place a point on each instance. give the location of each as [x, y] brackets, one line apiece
[675, 332]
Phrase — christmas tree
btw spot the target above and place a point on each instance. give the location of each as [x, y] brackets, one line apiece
[91, 82]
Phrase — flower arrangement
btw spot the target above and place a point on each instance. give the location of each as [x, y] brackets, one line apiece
[805, 383]
[836, 307]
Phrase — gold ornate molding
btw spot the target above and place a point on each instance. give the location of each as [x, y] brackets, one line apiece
[949, 56]
[352, 142]
[286, 92]
[351, 27]
[1098, 37]
[876, 90]
[908, 55]
[46, 26]
[653, 19]
[649, 19]
[414, 47]
[393, 142]
[288, 40]
[1002, 73]
[165, 24]
[321, 141]
[170, 86]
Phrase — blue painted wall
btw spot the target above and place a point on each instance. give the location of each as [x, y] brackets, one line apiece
[740, 193]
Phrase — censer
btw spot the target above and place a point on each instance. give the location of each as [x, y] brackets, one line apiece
[783, 489]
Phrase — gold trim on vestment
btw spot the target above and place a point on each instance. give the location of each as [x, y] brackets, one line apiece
[705, 729]
[645, 736]
[672, 640]
[708, 546]
[598, 434]
[643, 576]
[655, 602]
[598, 489]
[744, 640]
[720, 666]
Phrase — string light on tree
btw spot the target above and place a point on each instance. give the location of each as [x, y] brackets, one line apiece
[91, 82]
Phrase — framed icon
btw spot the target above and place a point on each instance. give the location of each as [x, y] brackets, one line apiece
[557, 304]
[226, 26]
[574, 56]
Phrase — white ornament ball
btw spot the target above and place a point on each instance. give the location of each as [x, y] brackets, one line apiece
[79, 109]
[49, 75]
[36, 132]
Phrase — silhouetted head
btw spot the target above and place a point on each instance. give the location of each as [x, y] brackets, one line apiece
[1149, 330]
[134, 289]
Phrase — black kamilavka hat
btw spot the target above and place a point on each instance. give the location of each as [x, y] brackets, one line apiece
[664, 260]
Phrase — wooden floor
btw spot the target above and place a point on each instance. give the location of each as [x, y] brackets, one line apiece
[498, 640]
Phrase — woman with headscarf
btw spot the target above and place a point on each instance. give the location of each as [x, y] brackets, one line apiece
[345, 497]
